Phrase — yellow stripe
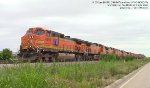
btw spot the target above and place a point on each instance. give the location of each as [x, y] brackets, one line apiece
[53, 47]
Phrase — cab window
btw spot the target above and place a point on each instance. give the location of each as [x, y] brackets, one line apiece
[48, 33]
[55, 34]
[39, 32]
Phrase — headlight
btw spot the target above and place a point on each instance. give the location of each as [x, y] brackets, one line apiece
[31, 37]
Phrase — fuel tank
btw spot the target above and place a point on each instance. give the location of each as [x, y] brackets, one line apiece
[66, 56]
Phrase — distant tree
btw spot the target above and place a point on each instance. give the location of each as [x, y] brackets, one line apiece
[7, 54]
[1, 56]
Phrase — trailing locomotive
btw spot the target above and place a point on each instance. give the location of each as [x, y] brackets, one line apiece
[47, 45]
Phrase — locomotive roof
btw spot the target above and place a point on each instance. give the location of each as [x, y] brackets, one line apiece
[81, 41]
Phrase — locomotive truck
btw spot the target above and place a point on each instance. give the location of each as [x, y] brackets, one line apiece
[47, 45]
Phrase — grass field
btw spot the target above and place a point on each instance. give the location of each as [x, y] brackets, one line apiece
[100, 74]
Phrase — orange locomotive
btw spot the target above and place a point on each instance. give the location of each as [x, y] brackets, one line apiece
[43, 44]
[40, 43]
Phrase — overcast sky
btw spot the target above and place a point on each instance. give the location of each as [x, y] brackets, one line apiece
[127, 30]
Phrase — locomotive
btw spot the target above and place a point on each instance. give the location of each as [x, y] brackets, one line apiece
[47, 45]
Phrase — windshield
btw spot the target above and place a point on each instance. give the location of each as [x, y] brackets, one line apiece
[37, 31]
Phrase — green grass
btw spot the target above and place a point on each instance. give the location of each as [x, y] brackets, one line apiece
[67, 76]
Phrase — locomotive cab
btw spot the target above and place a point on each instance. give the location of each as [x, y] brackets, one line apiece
[40, 38]
[33, 38]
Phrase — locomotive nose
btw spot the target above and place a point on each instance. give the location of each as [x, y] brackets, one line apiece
[30, 36]
[27, 41]
[31, 43]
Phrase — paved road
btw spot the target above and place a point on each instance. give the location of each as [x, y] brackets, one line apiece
[140, 80]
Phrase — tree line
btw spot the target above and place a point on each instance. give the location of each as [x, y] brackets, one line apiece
[6, 54]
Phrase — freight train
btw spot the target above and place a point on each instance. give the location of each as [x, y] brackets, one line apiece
[47, 45]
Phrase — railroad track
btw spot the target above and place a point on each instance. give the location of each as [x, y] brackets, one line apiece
[49, 64]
